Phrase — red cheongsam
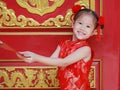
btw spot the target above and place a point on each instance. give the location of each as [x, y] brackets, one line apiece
[75, 76]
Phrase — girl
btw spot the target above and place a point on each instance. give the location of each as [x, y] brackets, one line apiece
[73, 57]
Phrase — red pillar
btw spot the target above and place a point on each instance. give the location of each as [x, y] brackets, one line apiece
[111, 75]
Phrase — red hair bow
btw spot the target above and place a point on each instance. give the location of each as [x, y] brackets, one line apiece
[76, 8]
[100, 26]
[101, 20]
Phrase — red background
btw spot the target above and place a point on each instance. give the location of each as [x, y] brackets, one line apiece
[110, 46]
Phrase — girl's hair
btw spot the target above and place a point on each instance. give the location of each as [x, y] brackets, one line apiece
[87, 11]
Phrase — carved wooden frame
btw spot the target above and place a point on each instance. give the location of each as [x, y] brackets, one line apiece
[18, 77]
[22, 22]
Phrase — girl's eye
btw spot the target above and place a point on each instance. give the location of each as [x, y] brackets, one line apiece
[80, 23]
[88, 26]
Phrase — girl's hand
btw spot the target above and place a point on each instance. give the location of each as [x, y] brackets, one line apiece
[28, 56]
[1, 42]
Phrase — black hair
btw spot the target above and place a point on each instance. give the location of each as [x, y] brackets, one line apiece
[88, 11]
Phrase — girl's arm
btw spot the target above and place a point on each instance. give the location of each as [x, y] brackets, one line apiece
[56, 52]
[81, 53]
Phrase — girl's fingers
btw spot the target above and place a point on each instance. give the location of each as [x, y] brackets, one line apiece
[29, 60]
[1, 42]
[19, 55]
[26, 59]
[27, 56]
[22, 56]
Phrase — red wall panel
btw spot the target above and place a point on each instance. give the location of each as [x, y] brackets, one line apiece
[42, 44]
[110, 45]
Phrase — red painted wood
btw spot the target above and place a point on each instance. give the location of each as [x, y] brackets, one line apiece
[109, 48]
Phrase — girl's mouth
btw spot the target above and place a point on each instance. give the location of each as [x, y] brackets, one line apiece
[81, 33]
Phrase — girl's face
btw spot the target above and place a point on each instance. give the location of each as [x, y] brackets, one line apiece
[83, 27]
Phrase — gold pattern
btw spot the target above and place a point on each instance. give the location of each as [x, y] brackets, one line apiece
[91, 77]
[83, 3]
[25, 77]
[9, 19]
[40, 7]
[35, 77]
[36, 33]
[59, 21]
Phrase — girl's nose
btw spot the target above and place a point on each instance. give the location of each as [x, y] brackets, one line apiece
[82, 27]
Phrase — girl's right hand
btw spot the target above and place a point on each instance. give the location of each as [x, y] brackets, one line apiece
[1, 42]
[28, 56]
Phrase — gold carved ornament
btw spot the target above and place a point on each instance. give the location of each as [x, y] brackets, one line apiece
[9, 19]
[40, 7]
[26, 77]
[34, 77]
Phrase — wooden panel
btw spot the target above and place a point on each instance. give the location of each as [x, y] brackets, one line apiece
[27, 13]
[17, 74]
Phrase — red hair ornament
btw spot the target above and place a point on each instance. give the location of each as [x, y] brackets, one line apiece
[101, 21]
[100, 26]
[76, 8]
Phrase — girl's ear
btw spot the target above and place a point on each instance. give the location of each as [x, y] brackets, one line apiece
[72, 23]
[94, 32]
[72, 20]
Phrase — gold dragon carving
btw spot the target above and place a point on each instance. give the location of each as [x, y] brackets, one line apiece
[9, 19]
[28, 77]
[34, 77]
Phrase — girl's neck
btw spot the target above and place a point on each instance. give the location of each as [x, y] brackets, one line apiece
[74, 38]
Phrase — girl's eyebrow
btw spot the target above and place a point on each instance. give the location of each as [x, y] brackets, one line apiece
[78, 20]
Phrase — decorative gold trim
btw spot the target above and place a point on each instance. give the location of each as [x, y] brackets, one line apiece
[40, 33]
[39, 74]
[92, 76]
[43, 76]
[101, 72]
[83, 3]
[26, 77]
[92, 4]
[59, 20]
[101, 75]
[36, 33]
[9, 19]
[40, 7]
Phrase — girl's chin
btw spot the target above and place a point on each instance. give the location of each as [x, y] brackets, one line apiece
[81, 38]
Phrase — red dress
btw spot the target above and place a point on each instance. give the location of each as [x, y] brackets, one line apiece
[75, 76]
